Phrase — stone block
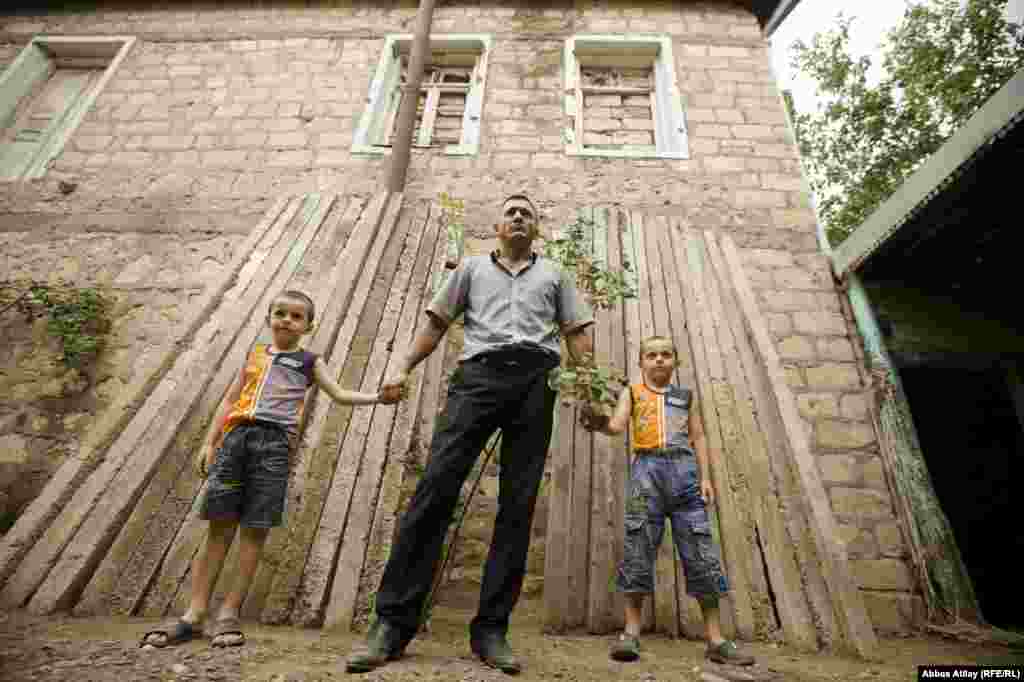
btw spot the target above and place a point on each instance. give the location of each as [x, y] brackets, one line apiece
[170, 142]
[725, 164]
[820, 323]
[796, 348]
[860, 544]
[510, 160]
[782, 183]
[787, 300]
[749, 198]
[846, 435]
[836, 348]
[890, 539]
[295, 158]
[695, 115]
[894, 612]
[224, 157]
[711, 130]
[854, 406]
[814, 406]
[869, 504]
[752, 132]
[874, 475]
[795, 278]
[779, 324]
[839, 469]
[293, 140]
[882, 574]
[728, 116]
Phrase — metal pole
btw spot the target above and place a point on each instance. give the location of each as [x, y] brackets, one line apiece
[410, 98]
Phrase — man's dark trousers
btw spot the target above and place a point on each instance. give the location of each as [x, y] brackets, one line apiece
[507, 390]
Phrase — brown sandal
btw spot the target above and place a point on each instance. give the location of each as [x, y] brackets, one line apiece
[175, 632]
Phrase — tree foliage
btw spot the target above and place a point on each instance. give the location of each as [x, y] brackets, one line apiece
[940, 64]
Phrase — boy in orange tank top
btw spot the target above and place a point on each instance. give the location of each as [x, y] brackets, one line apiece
[668, 480]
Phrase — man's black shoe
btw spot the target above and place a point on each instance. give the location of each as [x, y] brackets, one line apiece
[493, 649]
[383, 643]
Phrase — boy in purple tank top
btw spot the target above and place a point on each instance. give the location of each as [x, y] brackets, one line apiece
[246, 461]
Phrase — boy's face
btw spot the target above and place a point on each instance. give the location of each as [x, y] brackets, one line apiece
[658, 361]
[289, 320]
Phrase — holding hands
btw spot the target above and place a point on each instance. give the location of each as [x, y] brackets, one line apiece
[394, 389]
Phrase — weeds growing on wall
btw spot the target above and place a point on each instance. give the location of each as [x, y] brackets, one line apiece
[78, 317]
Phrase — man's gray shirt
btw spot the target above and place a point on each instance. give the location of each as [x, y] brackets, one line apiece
[504, 310]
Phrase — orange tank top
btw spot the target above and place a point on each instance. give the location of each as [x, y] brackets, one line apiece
[661, 420]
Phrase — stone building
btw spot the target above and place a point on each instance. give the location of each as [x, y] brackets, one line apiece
[187, 159]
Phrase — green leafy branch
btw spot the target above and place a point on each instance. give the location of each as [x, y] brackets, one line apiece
[603, 288]
[78, 317]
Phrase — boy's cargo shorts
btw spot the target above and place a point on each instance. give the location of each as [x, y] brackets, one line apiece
[665, 484]
[249, 477]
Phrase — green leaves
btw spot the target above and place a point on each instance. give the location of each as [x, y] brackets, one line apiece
[79, 318]
[602, 287]
[588, 383]
[941, 63]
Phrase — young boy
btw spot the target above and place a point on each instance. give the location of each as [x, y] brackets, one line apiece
[247, 474]
[669, 479]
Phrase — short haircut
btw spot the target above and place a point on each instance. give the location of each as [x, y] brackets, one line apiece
[653, 339]
[298, 296]
[521, 197]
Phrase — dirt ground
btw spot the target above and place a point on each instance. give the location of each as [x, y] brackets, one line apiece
[68, 649]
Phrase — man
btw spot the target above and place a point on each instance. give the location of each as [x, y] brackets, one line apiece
[513, 302]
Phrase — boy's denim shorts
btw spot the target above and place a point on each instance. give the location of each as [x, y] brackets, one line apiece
[249, 477]
[668, 487]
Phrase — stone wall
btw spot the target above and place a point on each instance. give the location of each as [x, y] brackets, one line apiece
[215, 113]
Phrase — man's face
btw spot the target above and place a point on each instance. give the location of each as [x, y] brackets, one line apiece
[518, 222]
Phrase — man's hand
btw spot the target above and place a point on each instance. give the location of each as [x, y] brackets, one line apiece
[394, 389]
[707, 492]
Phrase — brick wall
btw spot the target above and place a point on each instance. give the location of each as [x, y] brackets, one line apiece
[216, 113]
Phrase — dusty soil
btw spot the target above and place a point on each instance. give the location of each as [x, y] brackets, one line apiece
[67, 649]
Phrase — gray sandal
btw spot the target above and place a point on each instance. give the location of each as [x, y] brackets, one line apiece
[224, 627]
[174, 632]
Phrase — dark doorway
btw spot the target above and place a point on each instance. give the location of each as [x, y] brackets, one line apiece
[973, 444]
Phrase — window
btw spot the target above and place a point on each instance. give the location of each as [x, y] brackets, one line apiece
[449, 102]
[621, 98]
[46, 93]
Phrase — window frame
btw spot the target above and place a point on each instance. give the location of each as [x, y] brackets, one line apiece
[670, 133]
[375, 113]
[36, 63]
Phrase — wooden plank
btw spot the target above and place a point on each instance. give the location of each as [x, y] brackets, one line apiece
[355, 538]
[774, 544]
[707, 364]
[579, 538]
[39, 514]
[317, 451]
[691, 621]
[666, 604]
[600, 616]
[858, 635]
[315, 584]
[386, 516]
[171, 583]
[189, 381]
[559, 530]
[332, 295]
[736, 450]
[618, 446]
[632, 249]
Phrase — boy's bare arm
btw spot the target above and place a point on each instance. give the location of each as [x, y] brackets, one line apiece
[327, 383]
[204, 459]
[426, 340]
[620, 418]
[700, 448]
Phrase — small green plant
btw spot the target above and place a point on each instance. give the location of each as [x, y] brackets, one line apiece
[586, 382]
[78, 317]
[602, 287]
[452, 217]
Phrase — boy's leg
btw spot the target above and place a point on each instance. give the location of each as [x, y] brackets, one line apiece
[250, 548]
[634, 613]
[206, 567]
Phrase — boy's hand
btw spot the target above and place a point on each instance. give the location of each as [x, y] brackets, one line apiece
[204, 460]
[593, 419]
[707, 492]
[394, 389]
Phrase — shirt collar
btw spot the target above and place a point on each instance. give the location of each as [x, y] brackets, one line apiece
[497, 252]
